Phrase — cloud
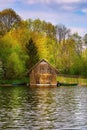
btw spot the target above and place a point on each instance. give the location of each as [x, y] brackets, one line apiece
[67, 7]
[58, 5]
[70, 1]
[6, 4]
[2, 2]
[84, 10]
[79, 30]
[71, 13]
[49, 17]
[52, 1]
[33, 1]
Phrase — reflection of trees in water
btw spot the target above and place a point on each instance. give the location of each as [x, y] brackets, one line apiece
[43, 111]
[42, 108]
[11, 104]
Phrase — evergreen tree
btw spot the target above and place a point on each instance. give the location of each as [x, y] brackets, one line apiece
[32, 53]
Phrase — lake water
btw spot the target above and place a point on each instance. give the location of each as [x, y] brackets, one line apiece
[24, 108]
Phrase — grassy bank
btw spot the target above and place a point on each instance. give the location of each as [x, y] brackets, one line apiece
[11, 81]
[68, 79]
[63, 79]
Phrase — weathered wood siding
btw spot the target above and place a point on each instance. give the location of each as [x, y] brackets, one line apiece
[43, 73]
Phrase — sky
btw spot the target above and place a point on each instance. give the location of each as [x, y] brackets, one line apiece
[71, 13]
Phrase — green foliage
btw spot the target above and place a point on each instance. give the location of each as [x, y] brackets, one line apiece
[78, 43]
[15, 66]
[32, 53]
[8, 20]
[12, 56]
[42, 27]
[1, 70]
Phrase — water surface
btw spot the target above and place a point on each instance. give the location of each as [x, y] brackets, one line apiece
[24, 108]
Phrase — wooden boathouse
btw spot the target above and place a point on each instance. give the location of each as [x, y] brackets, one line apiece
[43, 74]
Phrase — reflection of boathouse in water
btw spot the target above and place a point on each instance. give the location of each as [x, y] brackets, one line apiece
[43, 74]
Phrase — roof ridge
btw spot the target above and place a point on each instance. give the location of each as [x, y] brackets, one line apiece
[41, 61]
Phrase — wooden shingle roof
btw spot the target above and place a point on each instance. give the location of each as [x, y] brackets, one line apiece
[43, 60]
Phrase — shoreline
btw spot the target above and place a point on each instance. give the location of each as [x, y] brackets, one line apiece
[11, 85]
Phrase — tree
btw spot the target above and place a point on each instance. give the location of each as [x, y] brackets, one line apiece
[32, 53]
[62, 32]
[85, 38]
[8, 19]
[85, 41]
[21, 34]
[1, 70]
[12, 57]
[50, 30]
[78, 41]
[15, 66]
[42, 27]
[66, 55]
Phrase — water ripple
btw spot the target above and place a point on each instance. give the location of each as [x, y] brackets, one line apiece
[23, 108]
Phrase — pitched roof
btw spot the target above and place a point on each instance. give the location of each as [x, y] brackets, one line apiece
[44, 61]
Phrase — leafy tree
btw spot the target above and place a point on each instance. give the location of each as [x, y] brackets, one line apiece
[21, 34]
[84, 63]
[66, 55]
[78, 41]
[85, 38]
[15, 66]
[1, 70]
[85, 41]
[62, 32]
[12, 56]
[42, 27]
[8, 19]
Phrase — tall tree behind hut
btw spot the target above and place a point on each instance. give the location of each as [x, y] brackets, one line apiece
[32, 53]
